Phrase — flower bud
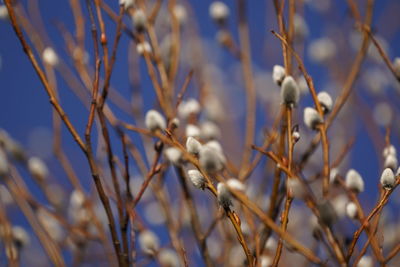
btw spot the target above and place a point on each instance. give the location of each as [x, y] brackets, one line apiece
[290, 91]
[155, 121]
[333, 175]
[351, 210]
[148, 242]
[219, 12]
[180, 13]
[173, 155]
[126, 3]
[266, 261]
[322, 50]
[51, 225]
[175, 123]
[300, 27]
[296, 188]
[389, 150]
[391, 162]
[210, 130]
[38, 168]
[211, 159]
[278, 74]
[192, 131]
[326, 101]
[143, 47]
[354, 181]
[3, 12]
[296, 136]
[197, 179]
[366, 261]
[235, 184]
[20, 237]
[312, 118]
[388, 179]
[224, 196]
[168, 258]
[139, 20]
[189, 107]
[327, 213]
[50, 56]
[193, 146]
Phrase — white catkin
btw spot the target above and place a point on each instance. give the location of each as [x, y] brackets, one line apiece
[391, 162]
[290, 92]
[50, 56]
[148, 242]
[354, 181]
[168, 258]
[366, 261]
[235, 184]
[155, 121]
[139, 20]
[224, 196]
[3, 12]
[3, 163]
[197, 179]
[173, 155]
[389, 150]
[210, 159]
[193, 146]
[326, 101]
[20, 236]
[192, 131]
[387, 179]
[219, 11]
[278, 74]
[189, 107]
[209, 130]
[143, 47]
[312, 118]
[296, 188]
[351, 210]
[38, 168]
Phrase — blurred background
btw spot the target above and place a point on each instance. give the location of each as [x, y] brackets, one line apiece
[329, 43]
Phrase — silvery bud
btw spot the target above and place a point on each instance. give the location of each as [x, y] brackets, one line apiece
[354, 181]
[155, 121]
[193, 146]
[139, 20]
[235, 184]
[388, 179]
[326, 101]
[50, 56]
[197, 179]
[37, 168]
[290, 92]
[224, 196]
[219, 12]
[391, 162]
[312, 118]
[278, 74]
[192, 131]
[351, 210]
[148, 242]
[173, 155]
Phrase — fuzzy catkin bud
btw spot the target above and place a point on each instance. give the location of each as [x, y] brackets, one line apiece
[168, 258]
[155, 121]
[193, 146]
[126, 3]
[197, 179]
[20, 237]
[290, 91]
[173, 155]
[312, 118]
[3, 12]
[139, 20]
[396, 66]
[211, 159]
[209, 130]
[391, 162]
[296, 188]
[192, 131]
[354, 181]
[224, 196]
[326, 101]
[333, 175]
[235, 184]
[148, 242]
[143, 47]
[351, 210]
[180, 13]
[188, 107]
[278, 74]
[219, 12]
[38, 168]
[388, 179]
[389, 150]
[50, 56]
[366, 261]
